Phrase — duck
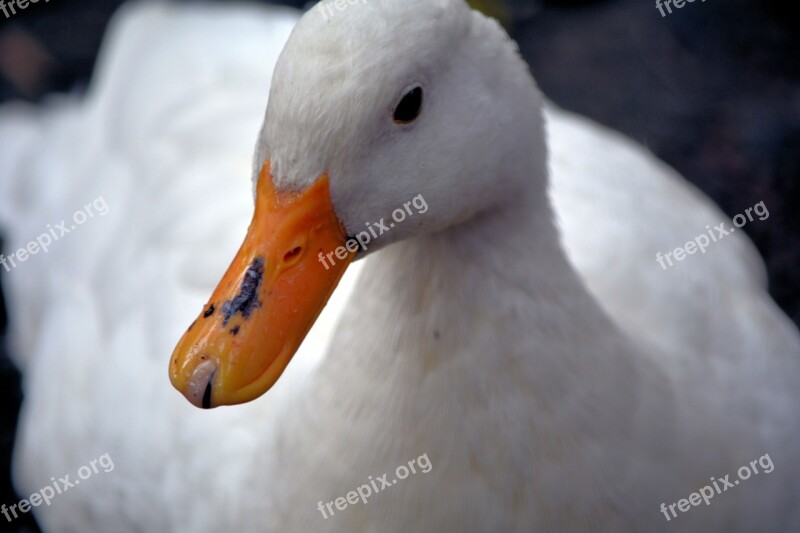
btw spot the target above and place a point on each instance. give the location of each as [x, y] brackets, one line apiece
[514, 329]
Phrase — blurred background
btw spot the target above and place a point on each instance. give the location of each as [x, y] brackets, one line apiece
[713, 89]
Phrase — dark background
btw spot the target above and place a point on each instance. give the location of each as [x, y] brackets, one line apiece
[712, 89]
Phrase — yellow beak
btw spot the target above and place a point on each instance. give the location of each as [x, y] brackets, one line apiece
[267, 301]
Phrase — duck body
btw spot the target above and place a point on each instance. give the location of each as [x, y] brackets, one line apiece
[553, 382]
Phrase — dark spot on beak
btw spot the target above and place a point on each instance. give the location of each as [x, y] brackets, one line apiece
[235, 331]
[209, 311]
[191, 326]
[436, 334]
[247, 299]
[207, 396]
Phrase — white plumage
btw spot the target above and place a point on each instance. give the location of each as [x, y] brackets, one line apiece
[473, 340]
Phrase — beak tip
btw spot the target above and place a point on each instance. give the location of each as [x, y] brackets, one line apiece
[200, 387]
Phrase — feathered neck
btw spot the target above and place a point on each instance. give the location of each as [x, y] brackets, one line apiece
[483, 332]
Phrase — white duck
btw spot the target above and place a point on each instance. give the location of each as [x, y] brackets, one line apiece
[541, 405]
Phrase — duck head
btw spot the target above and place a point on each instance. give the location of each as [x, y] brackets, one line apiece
[382, 107]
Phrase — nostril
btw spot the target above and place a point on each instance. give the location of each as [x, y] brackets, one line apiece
[200, 384]
[290, 255]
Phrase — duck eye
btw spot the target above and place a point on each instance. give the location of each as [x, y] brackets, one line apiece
[409, 107]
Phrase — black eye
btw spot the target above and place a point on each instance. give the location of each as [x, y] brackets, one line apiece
[409, 107]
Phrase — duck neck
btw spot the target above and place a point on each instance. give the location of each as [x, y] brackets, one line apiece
[483, 331]
[493, 300]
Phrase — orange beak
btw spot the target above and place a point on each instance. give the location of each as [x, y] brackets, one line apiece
[267, 301]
